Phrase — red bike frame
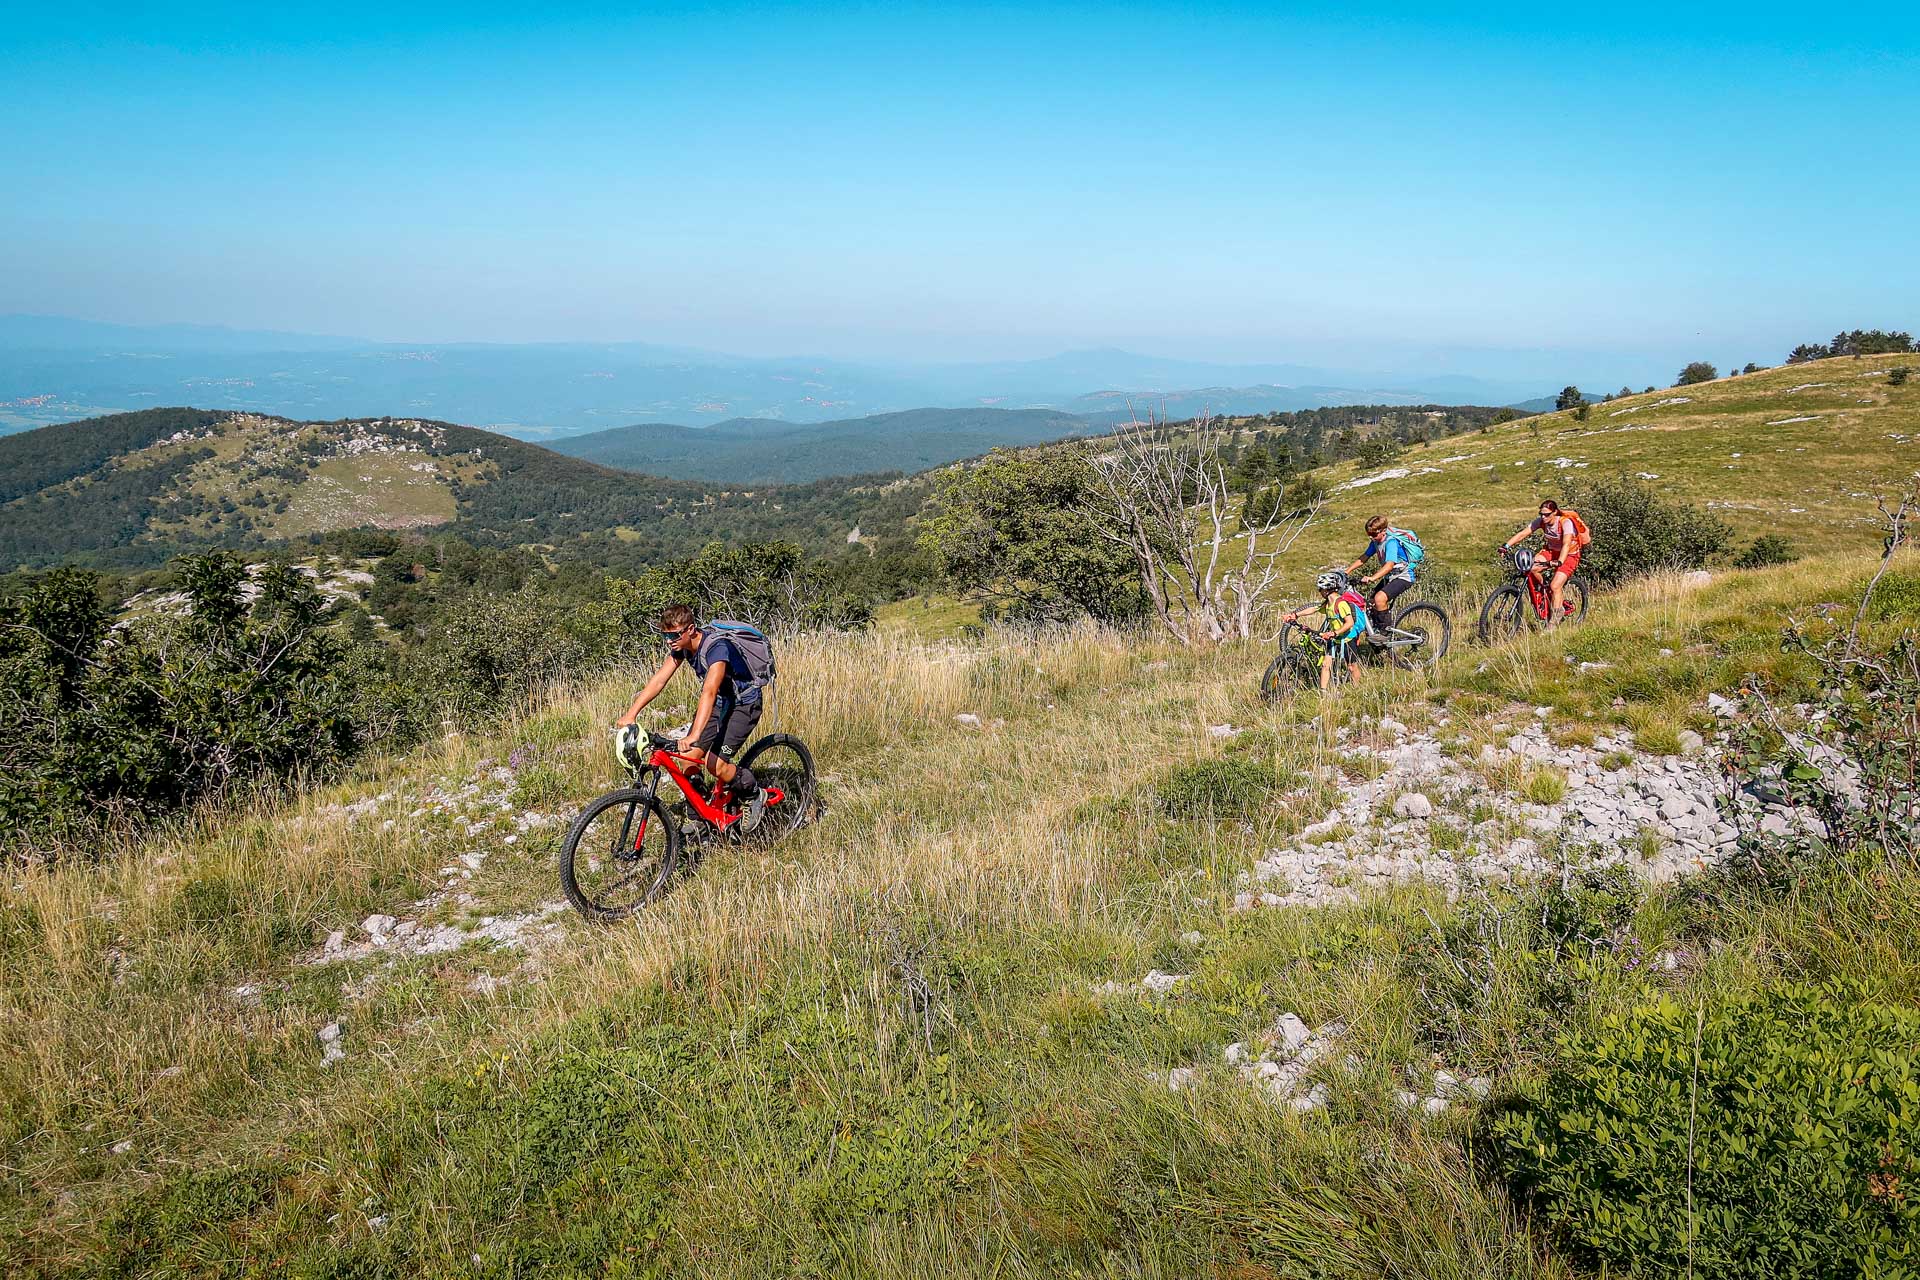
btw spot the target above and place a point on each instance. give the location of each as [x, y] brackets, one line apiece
[1537, 578]
[710, 810]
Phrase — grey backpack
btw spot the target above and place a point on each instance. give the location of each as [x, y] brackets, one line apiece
[755, 647]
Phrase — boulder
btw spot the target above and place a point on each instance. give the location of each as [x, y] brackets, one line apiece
[1413, 805]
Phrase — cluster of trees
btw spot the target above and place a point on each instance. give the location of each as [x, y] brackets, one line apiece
[1141, 525]
[262, 679]
[1854, 342]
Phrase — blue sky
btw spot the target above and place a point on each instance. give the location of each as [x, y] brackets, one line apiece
[1232, 182]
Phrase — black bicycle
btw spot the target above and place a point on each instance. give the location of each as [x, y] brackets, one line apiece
[1508, 607]
[624, 848]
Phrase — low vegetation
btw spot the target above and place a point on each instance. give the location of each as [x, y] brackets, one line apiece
[917, 1038]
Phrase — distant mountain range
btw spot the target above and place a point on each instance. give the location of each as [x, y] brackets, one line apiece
[757, 451]
[54, 369]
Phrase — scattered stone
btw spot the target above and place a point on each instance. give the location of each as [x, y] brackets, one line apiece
[1691, 743]
[331, 1032]
[377, 1223]
[377, 926]
[1434, 1106]
[1221, 731]
[336, 941]
[1291, 1031]
[1192, 938]
[1235, 1053]
[967, 718]
[1160, 983]
[1722, 706]
[1413, 805]
[1179, 1078]
[121, 1147]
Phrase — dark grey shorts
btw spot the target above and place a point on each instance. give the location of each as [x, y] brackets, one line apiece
[730, 725]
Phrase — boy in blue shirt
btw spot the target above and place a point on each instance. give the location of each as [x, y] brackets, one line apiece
[1397, 558]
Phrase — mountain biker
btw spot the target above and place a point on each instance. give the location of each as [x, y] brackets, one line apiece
[1340, 606]
[1562, 533]
[728, 711]
[1397, 549]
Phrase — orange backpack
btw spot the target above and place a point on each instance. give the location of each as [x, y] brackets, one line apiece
[1581, 534]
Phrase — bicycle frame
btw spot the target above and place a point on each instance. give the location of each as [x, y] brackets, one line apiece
[710, 810]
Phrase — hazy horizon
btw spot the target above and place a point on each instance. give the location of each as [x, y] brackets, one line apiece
[1229, 183]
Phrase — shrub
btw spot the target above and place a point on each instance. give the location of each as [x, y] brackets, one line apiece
[1767, 549]
[97, 724]
[1698, 371]
[1569, 398]
[1770, 1136]
[1638, 531]
[1216, 789]
[1898, 375]
[1304, 493]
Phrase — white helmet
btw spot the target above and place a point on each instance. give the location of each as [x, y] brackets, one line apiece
[1523, 559]
[1333, 580]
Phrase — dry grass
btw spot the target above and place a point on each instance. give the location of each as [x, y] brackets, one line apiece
[1029, 848]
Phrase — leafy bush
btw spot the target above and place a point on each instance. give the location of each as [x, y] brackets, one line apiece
[140, 721]
[1229, 788]
[1898, 375]
[1767, 549]
[1637, 530]
[1020, 531]
[1698, 371]
[1770, 1136]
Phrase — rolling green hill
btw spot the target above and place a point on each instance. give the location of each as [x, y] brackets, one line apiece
[761, 451]
[1800, 451]
[134, 489]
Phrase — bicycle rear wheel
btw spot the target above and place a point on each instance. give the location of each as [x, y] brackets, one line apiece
[1435, 629]
[1574, 597]
[783, 761]
[1504, 615]
[618, 855]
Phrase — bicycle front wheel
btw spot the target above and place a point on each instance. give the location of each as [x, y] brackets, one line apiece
[618, 855]
[1290, 670]
[783, 761]
[1504, 614]
[1435, 629]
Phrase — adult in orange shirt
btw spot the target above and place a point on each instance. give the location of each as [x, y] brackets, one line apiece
[1563, 553]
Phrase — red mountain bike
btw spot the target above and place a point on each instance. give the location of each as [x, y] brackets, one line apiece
[1504, 615]
[624, 848]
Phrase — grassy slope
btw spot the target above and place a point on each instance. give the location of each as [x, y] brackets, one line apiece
[1726, 447]
[742, 1082]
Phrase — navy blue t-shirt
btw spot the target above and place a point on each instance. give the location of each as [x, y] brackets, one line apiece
[719, 647]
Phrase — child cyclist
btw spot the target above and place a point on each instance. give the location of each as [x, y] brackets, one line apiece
[728, 710]
[1399, 551]
[1344, 622]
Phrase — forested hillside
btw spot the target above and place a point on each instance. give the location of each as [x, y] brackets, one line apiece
[760, 451]
[133, 490]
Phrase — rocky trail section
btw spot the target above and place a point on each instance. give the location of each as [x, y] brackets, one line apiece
[1428, 814]
[478, 812]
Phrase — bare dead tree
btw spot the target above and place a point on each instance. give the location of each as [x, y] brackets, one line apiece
[1205, 561]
